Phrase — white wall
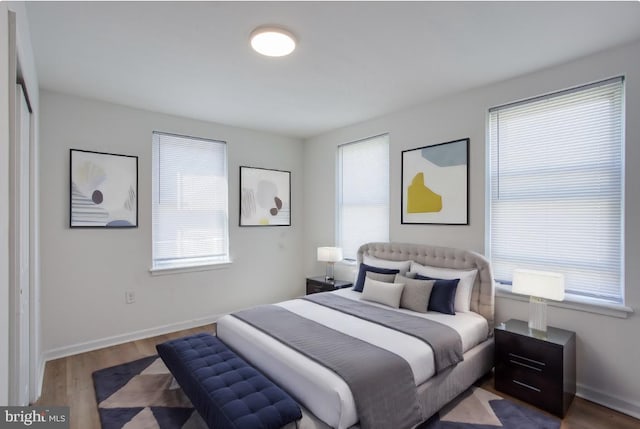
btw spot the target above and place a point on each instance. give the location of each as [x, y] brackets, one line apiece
[85, 272]
[608, 347]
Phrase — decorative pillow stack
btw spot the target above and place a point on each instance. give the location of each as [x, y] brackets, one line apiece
[380, 266]
[362, 275]
[416, 287]
[464, 287]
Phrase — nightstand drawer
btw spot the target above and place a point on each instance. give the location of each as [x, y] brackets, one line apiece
[540, 392]
[530, 355]
[525, 377]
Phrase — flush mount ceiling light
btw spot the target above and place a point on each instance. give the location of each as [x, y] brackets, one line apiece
[272, 41]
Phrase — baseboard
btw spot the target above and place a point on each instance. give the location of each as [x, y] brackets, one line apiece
[608, 400]
[88, 346]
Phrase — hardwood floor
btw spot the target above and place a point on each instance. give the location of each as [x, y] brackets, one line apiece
[67, 381]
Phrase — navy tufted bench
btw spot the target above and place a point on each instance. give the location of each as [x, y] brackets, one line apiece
[227, 392]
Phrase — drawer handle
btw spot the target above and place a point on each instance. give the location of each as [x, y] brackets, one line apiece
[525, 365]
[527, 386]
[537, 362]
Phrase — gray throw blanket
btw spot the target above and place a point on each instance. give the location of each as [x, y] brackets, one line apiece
[381, 382]
[444, 340]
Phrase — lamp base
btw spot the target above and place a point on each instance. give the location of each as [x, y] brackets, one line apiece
[329, 273]
[538, 314]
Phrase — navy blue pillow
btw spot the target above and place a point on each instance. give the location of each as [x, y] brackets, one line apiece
[362, 274]
[443, 295]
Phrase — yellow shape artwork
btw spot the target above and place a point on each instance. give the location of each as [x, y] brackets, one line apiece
[421, 199]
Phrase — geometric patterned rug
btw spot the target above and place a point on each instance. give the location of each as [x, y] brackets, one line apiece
[480, 409]
[143, 394]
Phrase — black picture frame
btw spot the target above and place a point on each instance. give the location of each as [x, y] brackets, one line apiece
[103, 190]
[265, 197]
[435, 184]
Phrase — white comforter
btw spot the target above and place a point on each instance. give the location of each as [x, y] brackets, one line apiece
[319, 389]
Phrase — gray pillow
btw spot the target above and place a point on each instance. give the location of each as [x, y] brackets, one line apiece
[382, 293]
[387, 278]
[416, 293]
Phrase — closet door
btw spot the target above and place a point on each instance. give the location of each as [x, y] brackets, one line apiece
[22, 239]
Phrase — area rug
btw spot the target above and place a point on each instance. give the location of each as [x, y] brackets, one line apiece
[142, 394]
[479, 409]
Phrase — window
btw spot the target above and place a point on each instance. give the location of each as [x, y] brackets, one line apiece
[556, 191]
[363, 193]
[190, 215]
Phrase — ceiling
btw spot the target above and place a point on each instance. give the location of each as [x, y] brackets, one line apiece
[354, 61]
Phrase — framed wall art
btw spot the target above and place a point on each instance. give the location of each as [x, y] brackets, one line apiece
[435, 184]
[104, 190]
[265, 197]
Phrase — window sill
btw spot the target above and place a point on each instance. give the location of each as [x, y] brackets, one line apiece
[572, 303]
[189, 269]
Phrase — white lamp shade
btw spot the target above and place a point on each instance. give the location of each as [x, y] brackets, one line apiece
[329, 254]
[541, 284]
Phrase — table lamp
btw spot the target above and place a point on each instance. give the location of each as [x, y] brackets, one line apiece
[540, 286]
[330, 255]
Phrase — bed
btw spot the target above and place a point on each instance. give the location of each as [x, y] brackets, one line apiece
[325, 397]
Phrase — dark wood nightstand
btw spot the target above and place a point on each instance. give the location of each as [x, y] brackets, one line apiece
[541, 371]
[319, 284]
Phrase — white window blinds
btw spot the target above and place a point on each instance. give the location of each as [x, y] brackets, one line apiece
[556, 192]
[190, 221]
[363, 193]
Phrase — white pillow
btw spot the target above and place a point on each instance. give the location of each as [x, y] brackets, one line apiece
[402, 266]
[465, 285]
[382, 293]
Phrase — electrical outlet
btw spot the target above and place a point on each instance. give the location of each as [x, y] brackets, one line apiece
[130, 297]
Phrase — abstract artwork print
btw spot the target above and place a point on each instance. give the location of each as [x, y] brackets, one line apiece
[435, 184]
[104, 190]
[265, 197]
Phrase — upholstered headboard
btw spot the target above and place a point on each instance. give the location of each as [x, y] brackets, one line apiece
[482, 297]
